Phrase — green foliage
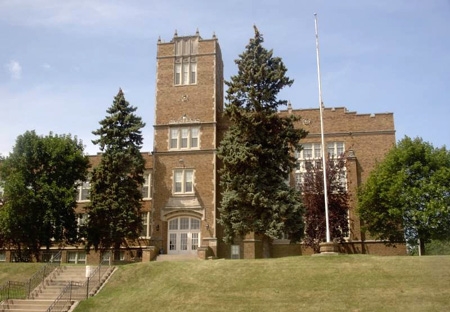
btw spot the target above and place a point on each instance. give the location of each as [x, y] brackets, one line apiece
[408, 194]
[40, 178]
[257, 150]
[115, 196]
[314, 201]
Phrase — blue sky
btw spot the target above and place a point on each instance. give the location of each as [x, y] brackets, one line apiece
[62, 62]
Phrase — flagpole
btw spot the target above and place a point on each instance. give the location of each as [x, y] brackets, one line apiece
[324, 167]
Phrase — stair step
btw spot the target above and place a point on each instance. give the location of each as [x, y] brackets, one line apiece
[45, 294]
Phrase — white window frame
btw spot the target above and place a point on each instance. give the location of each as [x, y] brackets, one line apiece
[185, 67]
[311, 155]
[79, 257]
[183, 181]
[145, 217]
[184, 138]
[146, 187]
[81, 188]
[184, 234]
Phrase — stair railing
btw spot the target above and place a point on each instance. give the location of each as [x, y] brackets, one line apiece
[22, 290]
[63, 301]
[40, 276]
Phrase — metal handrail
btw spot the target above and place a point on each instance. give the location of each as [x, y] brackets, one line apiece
[39, 277]
[22, 290]
[80, 286]
[66, 290]
[13, 289]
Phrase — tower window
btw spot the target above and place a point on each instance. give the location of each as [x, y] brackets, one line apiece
[185, 72]
[184, 138]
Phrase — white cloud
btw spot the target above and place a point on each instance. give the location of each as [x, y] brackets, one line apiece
[14, 69]
[46, 66]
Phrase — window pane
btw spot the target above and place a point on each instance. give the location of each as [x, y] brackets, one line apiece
[194, 137]
[340, 148]
[307, 151]
[317, 150]
[178, 176]
[177, 74]
[195, 224]
[173, 138]
[81, 257]
[193, 73]
[85, 188]
[184, 137]
[144, 224]
[173, 241]
[188, 179]
[183, 241]
[194, 244]
[173, 224]
[145, 192]
[330, 149]
[185, 73]
[184, 223]
[71, 257]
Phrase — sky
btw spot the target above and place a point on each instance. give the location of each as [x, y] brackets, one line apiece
[62, 62]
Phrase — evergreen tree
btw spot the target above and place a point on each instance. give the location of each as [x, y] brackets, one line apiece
[314, 201]
[39, 179]
[257, 150]
[115, 194]
[408, 195]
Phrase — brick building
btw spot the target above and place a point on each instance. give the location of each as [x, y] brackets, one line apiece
[180, 195]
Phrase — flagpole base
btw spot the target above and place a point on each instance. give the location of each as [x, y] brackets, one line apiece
[329, 249]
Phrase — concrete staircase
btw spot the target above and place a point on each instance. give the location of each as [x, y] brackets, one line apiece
[48, 291]
[182, 257]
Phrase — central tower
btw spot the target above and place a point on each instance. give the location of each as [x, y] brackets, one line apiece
[189, 102]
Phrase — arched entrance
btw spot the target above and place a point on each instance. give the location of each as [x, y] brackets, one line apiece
[183, 236]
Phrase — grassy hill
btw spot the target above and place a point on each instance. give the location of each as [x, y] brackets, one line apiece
[335, 283]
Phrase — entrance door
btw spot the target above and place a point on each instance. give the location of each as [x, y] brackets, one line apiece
[184, 235]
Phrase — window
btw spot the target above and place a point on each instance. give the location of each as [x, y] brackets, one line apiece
[310, 158]
[82, 219]
[335, 149]
[83, 191]
[76, 257]
[183, 181]
[185, 61]
[145, 224]
[184, 138]
[235, 252]
[146, 189]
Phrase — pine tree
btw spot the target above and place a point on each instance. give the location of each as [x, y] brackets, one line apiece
[115, 196]
[257, 149]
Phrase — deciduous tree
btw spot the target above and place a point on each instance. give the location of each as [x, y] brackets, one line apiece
[313, 198]
[257, 150]
[408, 194]
[115, 194]
[40, 178]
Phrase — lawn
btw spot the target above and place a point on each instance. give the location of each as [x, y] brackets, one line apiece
[19, 272]
[334, 283]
